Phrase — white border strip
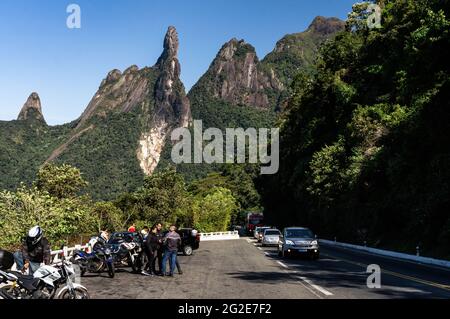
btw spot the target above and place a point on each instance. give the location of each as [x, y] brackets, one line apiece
[393, 254]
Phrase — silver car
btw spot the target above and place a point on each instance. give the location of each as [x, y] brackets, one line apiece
[260, 233]
[298, 240]
[271, 237]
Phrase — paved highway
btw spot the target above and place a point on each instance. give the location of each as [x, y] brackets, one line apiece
[243, 269]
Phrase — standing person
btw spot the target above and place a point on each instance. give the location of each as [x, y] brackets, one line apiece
[144, 232]
[172, 243]
[35, 251]
[151, 250]
[160, 248]
[132, 228]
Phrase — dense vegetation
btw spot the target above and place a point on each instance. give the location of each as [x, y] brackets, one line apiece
[54, 202]
[25, 145]
[364, 144]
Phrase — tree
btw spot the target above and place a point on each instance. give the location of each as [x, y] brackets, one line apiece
[162, 197]
[107, 216]
[25, 208]
[215, 211]
[63, 181]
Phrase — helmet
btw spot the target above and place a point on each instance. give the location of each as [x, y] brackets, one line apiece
[35, 235]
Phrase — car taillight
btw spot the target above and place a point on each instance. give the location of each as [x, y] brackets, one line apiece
[197, 237]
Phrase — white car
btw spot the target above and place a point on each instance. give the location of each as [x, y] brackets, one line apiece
[271, 237]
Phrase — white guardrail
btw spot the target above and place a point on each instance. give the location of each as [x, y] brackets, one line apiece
[230, 235]
[56, 254]
[68, 252]
[391, 254]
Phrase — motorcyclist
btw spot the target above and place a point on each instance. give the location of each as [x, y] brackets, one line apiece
[35, 251]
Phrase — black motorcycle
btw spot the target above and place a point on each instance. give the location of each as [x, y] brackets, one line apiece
[127, 249]
[100, 260]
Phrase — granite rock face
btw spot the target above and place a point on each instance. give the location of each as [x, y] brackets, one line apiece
[32, 109]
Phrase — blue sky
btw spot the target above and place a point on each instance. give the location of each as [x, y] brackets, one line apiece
[65, 66]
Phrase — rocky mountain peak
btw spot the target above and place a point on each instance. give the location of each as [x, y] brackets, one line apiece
[171, 45]
[326, 26]
[235, 49]
[236, 76]
[32, 109]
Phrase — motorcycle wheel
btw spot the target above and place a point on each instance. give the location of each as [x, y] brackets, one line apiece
[134, 264]
[79, 294]
[4, 293]
[111, 270]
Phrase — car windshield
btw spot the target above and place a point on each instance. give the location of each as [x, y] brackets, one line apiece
[299, 233]
[272, 233]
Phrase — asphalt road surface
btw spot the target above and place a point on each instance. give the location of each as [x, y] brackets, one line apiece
[243, 269]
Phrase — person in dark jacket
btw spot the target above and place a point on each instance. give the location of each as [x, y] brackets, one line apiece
[160, 248]
[151, 250]
[172, 243]
[35, 251]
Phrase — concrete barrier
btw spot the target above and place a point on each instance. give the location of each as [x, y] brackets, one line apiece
[230, 235]
[391, 254]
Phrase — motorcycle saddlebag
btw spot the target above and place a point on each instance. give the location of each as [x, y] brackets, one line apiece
[6, 260]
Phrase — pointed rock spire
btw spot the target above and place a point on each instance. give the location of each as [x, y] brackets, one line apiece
[170, 52]
[32, 109]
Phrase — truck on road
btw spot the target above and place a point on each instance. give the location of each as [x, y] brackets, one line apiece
[253, 220]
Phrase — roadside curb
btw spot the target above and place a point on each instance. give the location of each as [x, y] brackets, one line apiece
[392, 254]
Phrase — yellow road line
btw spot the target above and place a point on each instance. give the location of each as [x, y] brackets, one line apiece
[396, 274]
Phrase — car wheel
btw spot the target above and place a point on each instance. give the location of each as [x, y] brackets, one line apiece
[187, 250]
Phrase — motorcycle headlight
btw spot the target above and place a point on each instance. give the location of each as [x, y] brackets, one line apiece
[289, 242]
[108, 251]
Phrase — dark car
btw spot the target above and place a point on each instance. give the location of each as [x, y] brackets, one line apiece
[190, 240]
[298, 240]
[125, 237]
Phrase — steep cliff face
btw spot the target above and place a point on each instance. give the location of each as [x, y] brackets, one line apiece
[240, 90]
[235, 76]
[128, 122]
[32, 109]
[172, 107]
[118, 92]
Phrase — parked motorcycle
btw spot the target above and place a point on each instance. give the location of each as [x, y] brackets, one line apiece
[129, 254]
[127, 249]
[48, 282]
[100, 260]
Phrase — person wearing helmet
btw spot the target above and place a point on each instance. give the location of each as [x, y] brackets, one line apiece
[35, 251]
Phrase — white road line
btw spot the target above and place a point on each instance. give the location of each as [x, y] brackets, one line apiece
[318, 288]
[282, 265]
[309, 289]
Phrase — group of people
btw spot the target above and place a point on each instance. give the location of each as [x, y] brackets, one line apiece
[158, 248]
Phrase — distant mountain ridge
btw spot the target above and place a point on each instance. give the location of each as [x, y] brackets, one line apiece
[124, 132]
